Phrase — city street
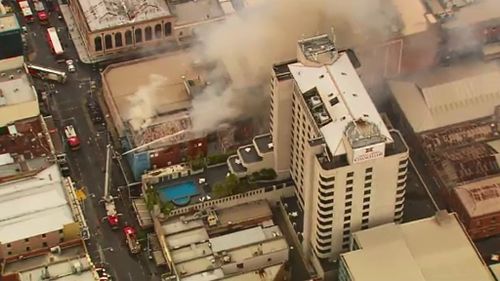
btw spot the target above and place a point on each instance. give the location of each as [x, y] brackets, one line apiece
[87, 165]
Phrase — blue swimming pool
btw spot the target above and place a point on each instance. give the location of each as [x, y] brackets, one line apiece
[180, 194]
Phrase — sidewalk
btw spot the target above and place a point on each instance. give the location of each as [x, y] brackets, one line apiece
[75, 34]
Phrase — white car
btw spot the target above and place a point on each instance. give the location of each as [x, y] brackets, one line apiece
[71, 66]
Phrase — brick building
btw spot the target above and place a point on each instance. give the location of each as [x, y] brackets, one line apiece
[478, 206]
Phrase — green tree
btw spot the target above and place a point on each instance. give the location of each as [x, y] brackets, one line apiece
[152, 198]
[229, 186]
[167, 207]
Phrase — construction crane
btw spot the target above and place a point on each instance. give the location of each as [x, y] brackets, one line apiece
[112, 216]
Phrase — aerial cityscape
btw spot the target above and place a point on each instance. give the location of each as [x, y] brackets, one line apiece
[249, 140]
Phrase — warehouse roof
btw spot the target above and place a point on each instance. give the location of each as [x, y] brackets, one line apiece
[448, 95]
[33, 206]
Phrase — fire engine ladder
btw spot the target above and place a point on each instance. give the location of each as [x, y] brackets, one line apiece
[108, 199]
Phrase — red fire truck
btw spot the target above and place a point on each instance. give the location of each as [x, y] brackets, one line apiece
[41, 13]
[72, 138]
[131, 239]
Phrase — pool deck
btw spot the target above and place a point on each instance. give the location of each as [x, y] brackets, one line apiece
[211, 175]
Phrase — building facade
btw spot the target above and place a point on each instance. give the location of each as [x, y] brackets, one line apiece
[478, 207]
[10, 35]
[39, 213]
[349, 170]
[109, 27]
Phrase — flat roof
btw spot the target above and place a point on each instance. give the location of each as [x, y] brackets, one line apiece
[339, 81]
[188, 12]
[215, 274]
[152, 81]
[27, 264]
[19, 139]
[103, 14]
[264, 247]
[412, 15]
[481, 197]
[8, 22]
[194, 251]
[478, 12]
[63, 270]
[176, 225]
[430, 249]
[33, 206]
[495, 268]
[448, 95]
[187, 238]
[263, 274]
[15, 87]
[244, 212]
[237, 239]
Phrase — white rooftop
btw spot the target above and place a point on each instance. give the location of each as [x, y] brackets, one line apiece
[15, 87]
[425, 250]
[33, 206]
[448, 95]
[481, 197]
[64, 271]
[339, 80]
[187, 238]
[102, 14]
[237, 239]
[265, 274]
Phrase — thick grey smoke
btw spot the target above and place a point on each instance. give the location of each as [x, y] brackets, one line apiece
[144, 102]
[249, 43]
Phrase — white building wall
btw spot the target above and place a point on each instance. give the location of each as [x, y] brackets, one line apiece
[281, 114]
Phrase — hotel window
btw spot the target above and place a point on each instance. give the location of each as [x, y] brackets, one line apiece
[350, 174]
[368, 170]
[368, 177]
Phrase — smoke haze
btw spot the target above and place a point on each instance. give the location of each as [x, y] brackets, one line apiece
[248, 45]
[144, 102]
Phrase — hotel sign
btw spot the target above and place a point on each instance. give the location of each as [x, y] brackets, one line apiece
[368, 153]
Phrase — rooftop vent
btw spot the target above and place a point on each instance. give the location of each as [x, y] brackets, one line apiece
[11, 77]
[315, 101]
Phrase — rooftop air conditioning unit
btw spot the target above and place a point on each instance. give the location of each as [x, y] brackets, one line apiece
[56, 250]
[77, 267]
[270, 145]
[315, 100]
[248, 149]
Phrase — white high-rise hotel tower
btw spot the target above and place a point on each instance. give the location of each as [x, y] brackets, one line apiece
[348, 168]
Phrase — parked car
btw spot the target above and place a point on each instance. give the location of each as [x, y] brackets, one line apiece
[95, 111]
[71, 66]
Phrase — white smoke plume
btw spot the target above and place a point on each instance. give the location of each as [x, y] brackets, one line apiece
[250, 42]
[144, 102]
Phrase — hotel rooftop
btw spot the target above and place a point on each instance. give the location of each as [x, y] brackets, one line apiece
[336, 97]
